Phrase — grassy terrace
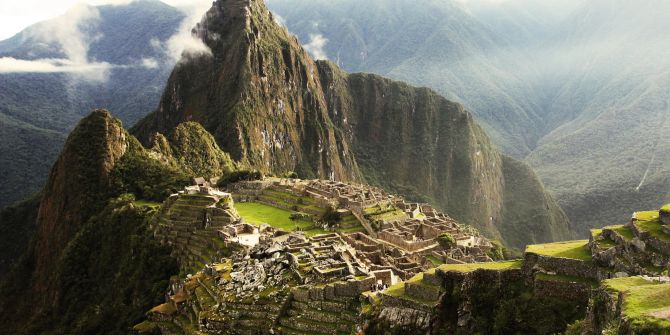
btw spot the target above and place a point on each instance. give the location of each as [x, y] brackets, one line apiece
[145, 203]
[602, 243]
[398, 290]
[257, 214]
[469, 267]
[653, 227]
[568, 249]
[622, 230]
[434, 260]
[646, 303]
[646, 215]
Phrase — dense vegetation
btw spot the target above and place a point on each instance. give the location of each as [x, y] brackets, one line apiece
[37, 110]
[17, 226]
[115, 262]
[101, 268]
[543, 78]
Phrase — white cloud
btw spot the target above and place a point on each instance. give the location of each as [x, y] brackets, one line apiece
[315, 46]
[150, 63]
[278, 19]
[68, 32]
[183, 43]
[97, 71]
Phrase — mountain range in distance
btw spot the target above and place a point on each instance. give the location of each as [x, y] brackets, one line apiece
[270, 191]
[519, 66]
[577, 89]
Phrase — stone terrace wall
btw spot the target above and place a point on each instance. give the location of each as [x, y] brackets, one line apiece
[563, 266]
[400, 242]
[655, 242]
[577, 292]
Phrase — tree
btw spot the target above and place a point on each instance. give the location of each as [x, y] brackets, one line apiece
[446, 241]
[331, 216]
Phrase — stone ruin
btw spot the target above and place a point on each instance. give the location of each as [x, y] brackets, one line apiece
[263, 278]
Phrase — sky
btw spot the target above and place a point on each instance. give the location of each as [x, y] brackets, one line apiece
[17, 15]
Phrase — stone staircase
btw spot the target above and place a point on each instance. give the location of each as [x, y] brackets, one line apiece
[336, 315]
[191, 224]
[639, 247]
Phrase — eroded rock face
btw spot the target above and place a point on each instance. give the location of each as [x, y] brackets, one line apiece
[274, 108]
[77, 185]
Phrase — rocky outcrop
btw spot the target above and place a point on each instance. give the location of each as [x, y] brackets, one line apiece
[273, 108]
[78, 186]
[82, 217]
[259, 94]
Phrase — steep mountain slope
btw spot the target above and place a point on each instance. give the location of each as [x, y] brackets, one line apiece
[475, 54]
[577, 87]
[93, 266]
[38, 109]
[272, 107]
[606, 155]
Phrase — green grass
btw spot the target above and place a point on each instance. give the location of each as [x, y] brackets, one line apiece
[145, 203]
[642, 297]
[622, 230]
[568, 249]
[603, 243]
[646, 216]
[434, 260]
[257, 214]
[653, 227]
[665, 208]
[623, 284]
[469, 267]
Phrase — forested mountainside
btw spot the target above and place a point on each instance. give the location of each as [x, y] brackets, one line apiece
[576, 88]
[93, 265]
[97, 261]
[273, 108]
[112, 56]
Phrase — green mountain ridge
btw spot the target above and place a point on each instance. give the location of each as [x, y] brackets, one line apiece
[575, 88]
[92, 264]
[38, 110]
[273, 108]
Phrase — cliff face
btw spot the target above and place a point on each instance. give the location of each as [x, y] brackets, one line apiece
[258, 93]
[78, 183]
[93, 266]
[273, 108]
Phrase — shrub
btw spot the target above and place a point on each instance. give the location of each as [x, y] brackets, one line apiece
[240, 175]
[300, 216]
[446, 241]
[331, 216]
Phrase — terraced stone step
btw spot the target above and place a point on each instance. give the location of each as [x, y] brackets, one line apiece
[309, 326]
[323, 315]
[269, 307]
[292, 331]
[329, 306]
[244, 314]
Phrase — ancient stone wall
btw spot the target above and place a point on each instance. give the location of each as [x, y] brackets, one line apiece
[564, 266]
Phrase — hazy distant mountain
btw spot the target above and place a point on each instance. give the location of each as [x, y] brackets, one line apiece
[118, 62]
[472, 54]
[608, 151]
[579, 87]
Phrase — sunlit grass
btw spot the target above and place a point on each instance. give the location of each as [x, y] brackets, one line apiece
[568, 249]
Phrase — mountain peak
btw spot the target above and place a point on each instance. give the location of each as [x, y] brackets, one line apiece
[78, 182]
